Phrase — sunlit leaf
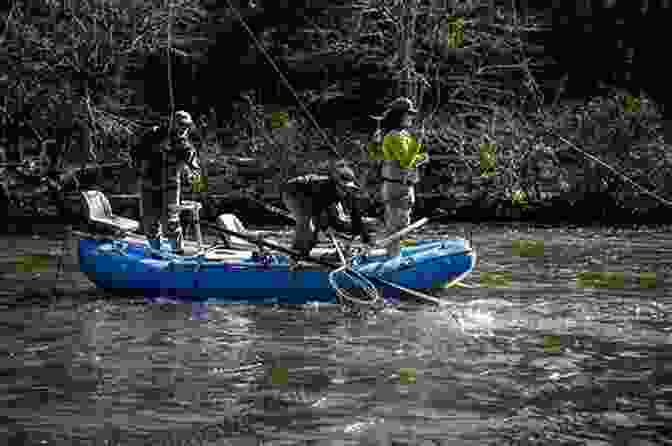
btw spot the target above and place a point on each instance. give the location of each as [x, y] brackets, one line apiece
[632, 104]
[597, 279]
[279, 120]
[279, 376]
[455, 32]
[407, 376]
[519, 198]
[408, 242]
[199, 184]
[488, 158]
[647, 280]
[33, 263]
[552, 344]
[528, 248]
[496, 280]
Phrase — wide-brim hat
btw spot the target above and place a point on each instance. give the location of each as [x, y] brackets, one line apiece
[402, 104]
[182, 117]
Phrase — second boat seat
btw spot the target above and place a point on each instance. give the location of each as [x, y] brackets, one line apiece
[99, 213]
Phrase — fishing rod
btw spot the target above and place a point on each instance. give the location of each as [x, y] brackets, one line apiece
[257, 240]
[283, 78]
[287, 84]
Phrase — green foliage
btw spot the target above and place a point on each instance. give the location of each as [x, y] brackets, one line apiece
[488, 157]
[528, 248]
[407, 376]
[648, 280]
[199, 184]
[632, 104]
[597, 279]
[72, 65]
[496, 280]
[623, 131]
[68, 65]
[279, 119]
[34, 263]
[552, 344]
[280, 376]
[519, 198]
[455, 32]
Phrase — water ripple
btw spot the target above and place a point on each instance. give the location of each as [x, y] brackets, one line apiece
[540, 357]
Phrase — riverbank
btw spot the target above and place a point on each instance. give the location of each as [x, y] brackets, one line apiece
[478, 201]
[518, 177]
[558, 214]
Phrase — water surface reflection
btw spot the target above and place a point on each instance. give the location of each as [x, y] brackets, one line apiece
[538, 355]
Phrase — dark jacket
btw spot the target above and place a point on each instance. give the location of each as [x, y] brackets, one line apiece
[149, 155]
[320, 195]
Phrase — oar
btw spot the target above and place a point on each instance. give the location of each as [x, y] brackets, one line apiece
[415, 293]
[418, 294]
[261, 242]
[338, 248]
[282, 212]
[284, 250]
[269, 207]
[439, 213]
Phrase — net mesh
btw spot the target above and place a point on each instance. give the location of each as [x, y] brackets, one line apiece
[353, 287]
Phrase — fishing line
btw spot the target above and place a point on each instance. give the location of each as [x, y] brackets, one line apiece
[169, 49]
[611, 169]
[283, 78]
[595, 159]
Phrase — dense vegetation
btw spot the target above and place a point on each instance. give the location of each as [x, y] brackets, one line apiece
[89, 74]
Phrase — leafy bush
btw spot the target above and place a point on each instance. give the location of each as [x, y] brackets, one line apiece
[623, 132]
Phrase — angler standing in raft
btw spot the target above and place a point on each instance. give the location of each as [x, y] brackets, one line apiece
[162, 156]
[313, 201]
[401, 155]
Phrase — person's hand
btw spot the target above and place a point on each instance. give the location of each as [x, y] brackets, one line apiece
[368, 241]
[424, 160]
[323, 222]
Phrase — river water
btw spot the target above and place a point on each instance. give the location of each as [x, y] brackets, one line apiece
[567, 341]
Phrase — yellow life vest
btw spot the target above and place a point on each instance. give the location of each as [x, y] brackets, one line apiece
[401, 155]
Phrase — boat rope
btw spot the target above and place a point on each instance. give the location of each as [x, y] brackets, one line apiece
[284, 79]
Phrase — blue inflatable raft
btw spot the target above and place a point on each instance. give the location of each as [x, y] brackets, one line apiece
[130, 267]
[126, 264]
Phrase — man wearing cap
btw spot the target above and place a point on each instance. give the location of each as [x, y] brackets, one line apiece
[401, 155]
[313, 201]
[164, 157]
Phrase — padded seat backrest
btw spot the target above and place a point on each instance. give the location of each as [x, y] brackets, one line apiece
[96, 205]
[99, 212]
[233, 223]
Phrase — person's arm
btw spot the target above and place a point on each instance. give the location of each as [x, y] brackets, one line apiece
[375, 147]
[356, 226]
[193, 163]
[417, 153]
[334, 220]
[423, 155]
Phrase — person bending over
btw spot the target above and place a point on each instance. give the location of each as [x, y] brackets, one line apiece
[313, 201]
